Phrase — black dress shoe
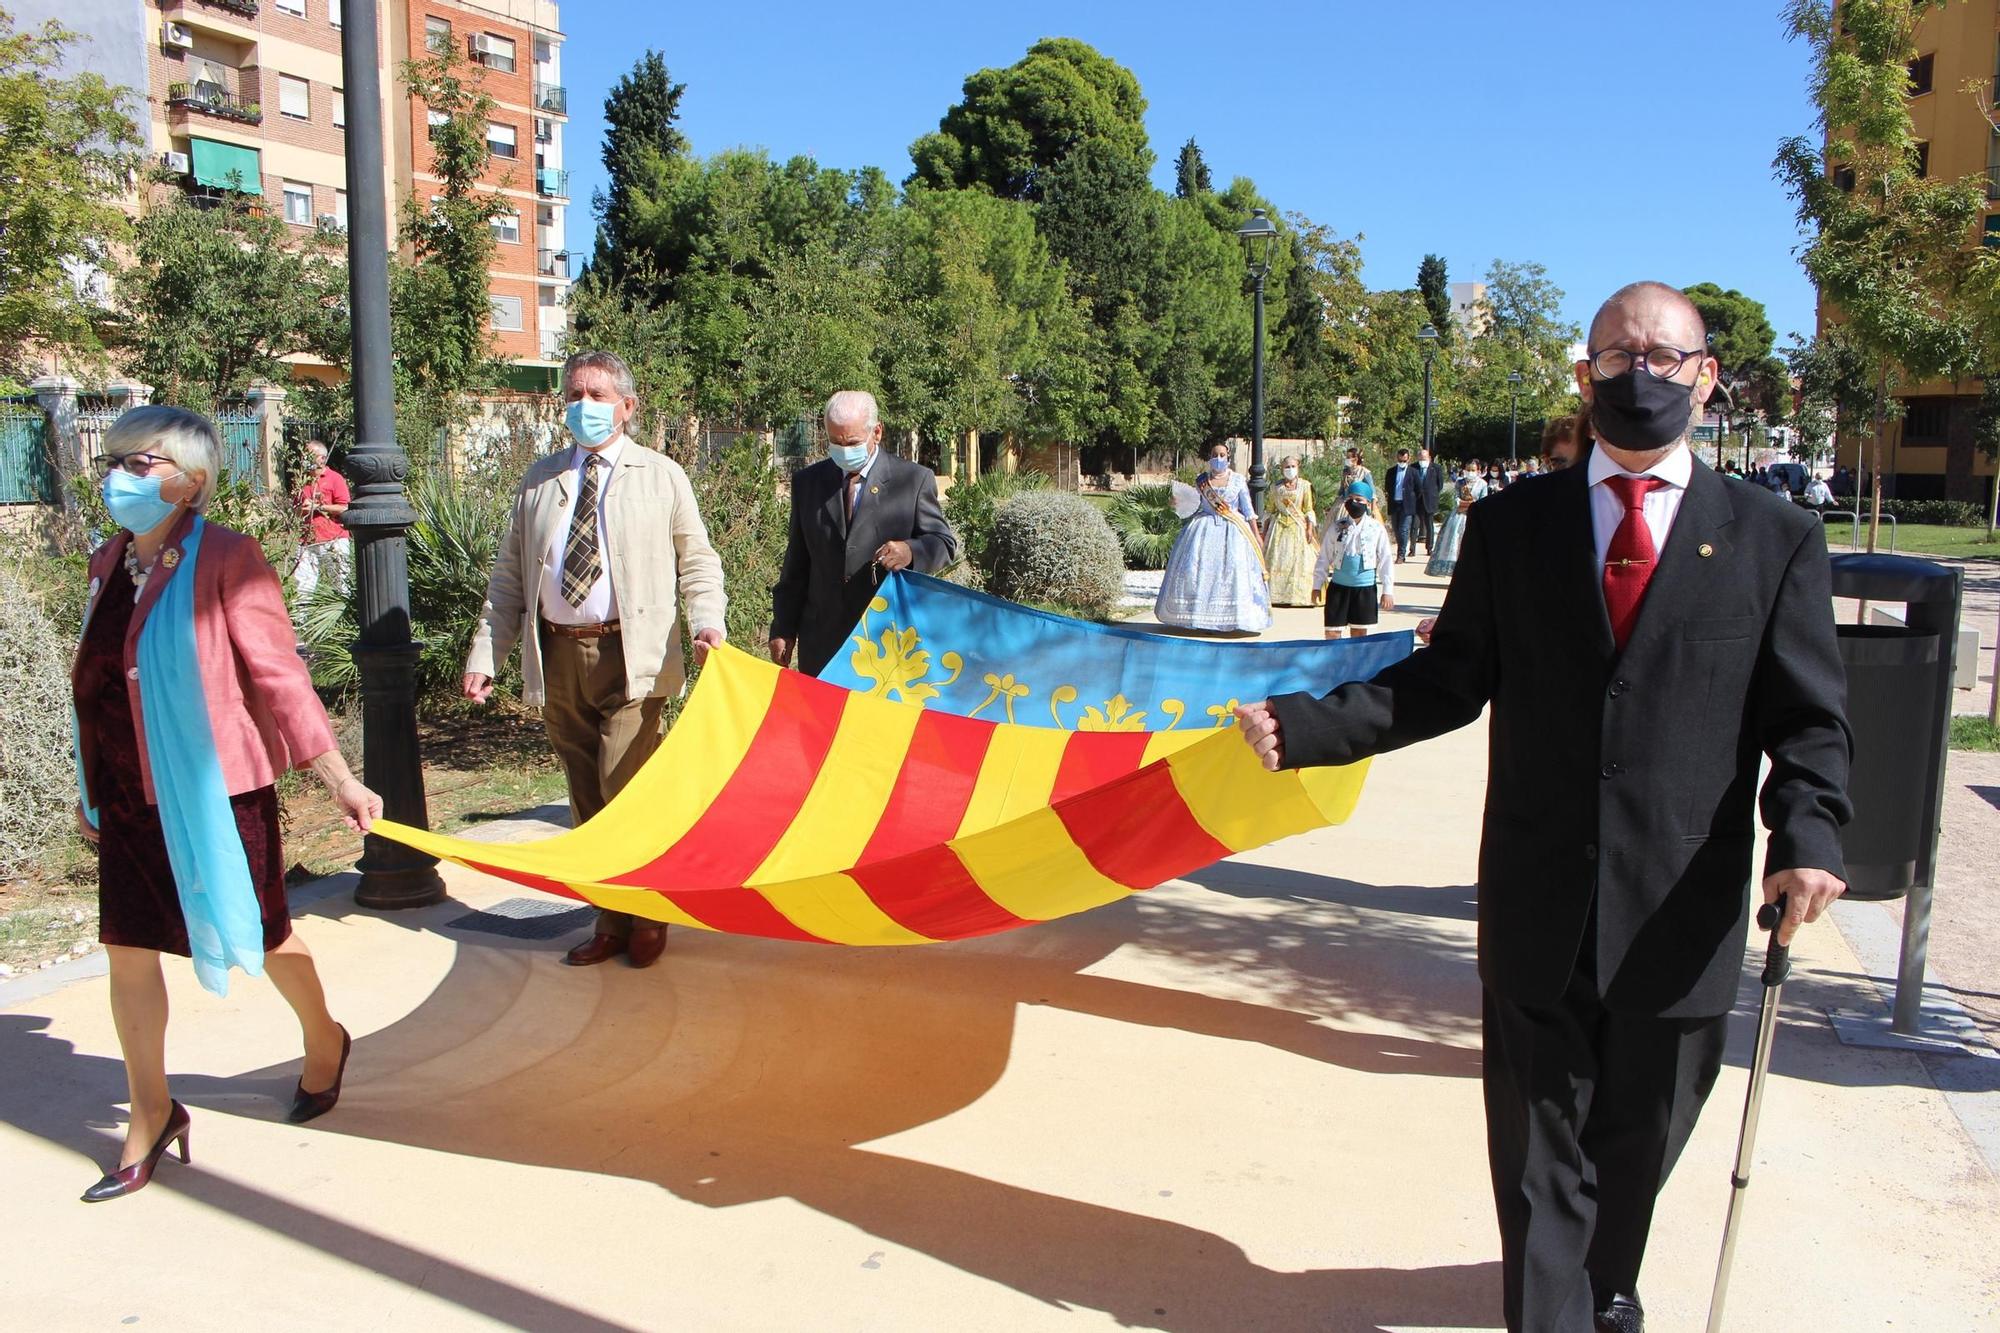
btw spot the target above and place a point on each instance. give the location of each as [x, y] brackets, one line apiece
[1623, 1315]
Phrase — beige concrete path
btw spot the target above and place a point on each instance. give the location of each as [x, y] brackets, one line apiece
[1247, 1101]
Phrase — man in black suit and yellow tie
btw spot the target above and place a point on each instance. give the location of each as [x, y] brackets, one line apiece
[1645, 633]
[857, 514]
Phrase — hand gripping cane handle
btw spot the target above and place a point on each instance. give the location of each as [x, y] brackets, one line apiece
[1777, 957]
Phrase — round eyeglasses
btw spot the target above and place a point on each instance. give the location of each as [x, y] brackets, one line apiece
[1662, 363]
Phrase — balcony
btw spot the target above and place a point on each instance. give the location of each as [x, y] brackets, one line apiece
[245, 8]
[552, 263]
[552, 183]
[553, 98]
[212, 99]
[1993, 181]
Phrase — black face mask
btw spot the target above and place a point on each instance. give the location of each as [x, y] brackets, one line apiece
[1637, 411]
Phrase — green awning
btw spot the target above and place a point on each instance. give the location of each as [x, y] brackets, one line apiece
[226, 166]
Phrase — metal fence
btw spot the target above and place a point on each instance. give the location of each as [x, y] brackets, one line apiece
[27, 473]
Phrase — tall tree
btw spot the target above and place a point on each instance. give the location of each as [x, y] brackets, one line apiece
[1191, 172]
[68, 151]
[1434, 285]
[1014, 124]
[1740, 336]
[1887, 246]
[640, 138]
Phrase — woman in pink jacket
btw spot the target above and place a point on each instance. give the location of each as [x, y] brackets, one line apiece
[190, 701]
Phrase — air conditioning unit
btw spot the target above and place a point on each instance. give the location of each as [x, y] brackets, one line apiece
[475, 44]
[328, 222]
[176, 162]
[176, 36]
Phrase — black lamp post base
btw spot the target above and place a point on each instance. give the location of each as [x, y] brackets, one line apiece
[391, 887]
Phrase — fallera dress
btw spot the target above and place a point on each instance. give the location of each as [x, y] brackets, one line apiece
[1288, 549]
[1444, 556]
[1215, 578]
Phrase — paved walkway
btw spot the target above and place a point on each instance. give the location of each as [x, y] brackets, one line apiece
[1248, 1100]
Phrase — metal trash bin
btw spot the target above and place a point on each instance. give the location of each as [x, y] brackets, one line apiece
[1891, 699]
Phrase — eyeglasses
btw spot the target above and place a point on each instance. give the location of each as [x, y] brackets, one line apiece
[136, 464]
[1662, 363]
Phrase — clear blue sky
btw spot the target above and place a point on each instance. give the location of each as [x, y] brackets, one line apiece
[1608, 143]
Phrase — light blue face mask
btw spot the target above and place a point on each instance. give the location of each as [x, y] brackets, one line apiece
[590, 422]
[848, 457]
[1218, 465]
[135, 502]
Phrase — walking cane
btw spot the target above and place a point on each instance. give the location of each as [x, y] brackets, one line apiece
[1777, 966]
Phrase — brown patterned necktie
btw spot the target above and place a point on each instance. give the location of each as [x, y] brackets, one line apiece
[583, 562]
[853, 489]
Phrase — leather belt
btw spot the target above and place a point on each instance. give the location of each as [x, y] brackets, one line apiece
[597, 631]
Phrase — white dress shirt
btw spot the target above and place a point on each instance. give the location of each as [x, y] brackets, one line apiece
[601, 606]
[1661, 505]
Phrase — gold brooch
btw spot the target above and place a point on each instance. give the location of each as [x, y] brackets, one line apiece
[170, 557]
[1705, 550]
[874, 490]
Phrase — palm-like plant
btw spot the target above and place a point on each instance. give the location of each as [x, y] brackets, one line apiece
[1144, 519]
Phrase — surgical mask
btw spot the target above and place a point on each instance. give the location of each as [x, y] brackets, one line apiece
[1638, 411]
[1290, 473]
[1218, 465]
[848, 457]
[135, 502]
[590, 422]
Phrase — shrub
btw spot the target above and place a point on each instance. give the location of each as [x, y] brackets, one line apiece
[970, 509]
[38, 781]
[1144, 521]
[1056, 549]
[747, 524]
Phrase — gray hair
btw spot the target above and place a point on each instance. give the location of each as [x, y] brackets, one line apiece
[188, 438]
[610, 363]
[853, 407]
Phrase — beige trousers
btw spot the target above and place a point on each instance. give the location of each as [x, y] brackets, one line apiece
[601, 737]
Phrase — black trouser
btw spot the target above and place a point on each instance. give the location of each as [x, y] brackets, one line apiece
[1586, 1113]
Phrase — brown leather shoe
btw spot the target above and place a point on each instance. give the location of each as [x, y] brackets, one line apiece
[597, 949]
[646, 945]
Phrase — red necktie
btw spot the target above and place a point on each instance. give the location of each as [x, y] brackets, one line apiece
[1629, 563]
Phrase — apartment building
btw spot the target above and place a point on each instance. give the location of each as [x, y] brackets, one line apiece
[247, 96]
[1931, 452]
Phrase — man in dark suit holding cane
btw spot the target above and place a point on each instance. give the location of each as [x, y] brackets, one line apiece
[1645, 633]
[856, 515]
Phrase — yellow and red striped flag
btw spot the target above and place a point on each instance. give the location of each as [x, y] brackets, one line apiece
[783, 806]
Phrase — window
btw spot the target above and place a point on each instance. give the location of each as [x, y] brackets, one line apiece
[1926, 421]
[493, 52]
[545, 130]
[1920, 76]
[1991, 240]
[1843, 178]
[545, 297]
[544, 53]
[500, 140]
[294, 97]
[296, 8]
[438, 120]
[437, 34]
[333, 12]
[340, 209]
[507, 227]
[1922, 163]
[545, 215]
[298, 204]
[506, 313]
[340, 108]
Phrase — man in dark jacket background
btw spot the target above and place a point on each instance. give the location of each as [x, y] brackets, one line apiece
[1645, 632]
[857, 514]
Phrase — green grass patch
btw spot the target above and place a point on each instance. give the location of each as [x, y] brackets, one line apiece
[1974, 733]
[1917, 539]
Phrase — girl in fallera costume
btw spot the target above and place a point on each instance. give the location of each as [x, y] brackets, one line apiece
[1291, 537]
[1215, 578]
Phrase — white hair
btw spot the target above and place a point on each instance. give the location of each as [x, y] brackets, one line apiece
[188, 438]
[608, 362]
[853, 407]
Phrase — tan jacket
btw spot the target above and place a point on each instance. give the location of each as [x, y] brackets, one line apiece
[657, 546]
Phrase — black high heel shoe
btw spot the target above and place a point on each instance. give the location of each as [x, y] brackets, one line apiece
[127, 1179]
[312, 1105]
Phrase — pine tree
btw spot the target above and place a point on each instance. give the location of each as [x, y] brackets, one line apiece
[1434, 284]
[639, 115]
[1191, 172]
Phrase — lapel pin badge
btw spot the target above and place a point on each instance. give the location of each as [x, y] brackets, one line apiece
[874, 490]
[1706, 550]
[170, 557]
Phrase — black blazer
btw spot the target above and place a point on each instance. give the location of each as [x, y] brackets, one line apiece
[1630, 775]
[1424, 489]
[828, 575]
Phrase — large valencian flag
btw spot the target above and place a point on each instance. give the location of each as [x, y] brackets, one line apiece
[788, 807]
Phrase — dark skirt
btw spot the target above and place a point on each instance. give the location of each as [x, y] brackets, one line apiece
[138, 904]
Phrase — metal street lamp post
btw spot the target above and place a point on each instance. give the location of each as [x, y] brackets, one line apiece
[1258, 235]
[1514, 418]
[392, 875]
[1428, 336]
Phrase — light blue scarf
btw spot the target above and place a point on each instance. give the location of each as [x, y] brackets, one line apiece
[224, 923]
